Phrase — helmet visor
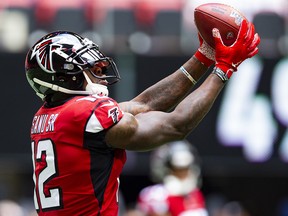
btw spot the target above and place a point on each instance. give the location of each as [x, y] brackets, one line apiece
[89, 56]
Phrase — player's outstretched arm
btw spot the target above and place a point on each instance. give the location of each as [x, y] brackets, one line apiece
[169, 91]
[148, 130]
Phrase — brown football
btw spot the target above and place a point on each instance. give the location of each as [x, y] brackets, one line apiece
[215, 15]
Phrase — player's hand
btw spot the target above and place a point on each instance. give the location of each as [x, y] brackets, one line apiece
[205, 53]
[228, 58]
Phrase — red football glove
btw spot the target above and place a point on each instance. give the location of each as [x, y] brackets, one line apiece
[228, 58]
[205, 53]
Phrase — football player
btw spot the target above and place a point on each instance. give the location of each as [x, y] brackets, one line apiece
[176, 170]
[80, 134]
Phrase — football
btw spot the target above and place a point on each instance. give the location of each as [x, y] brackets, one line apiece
[215, 15]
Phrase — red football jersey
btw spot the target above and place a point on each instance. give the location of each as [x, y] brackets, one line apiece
[75, 171]
[156, 199]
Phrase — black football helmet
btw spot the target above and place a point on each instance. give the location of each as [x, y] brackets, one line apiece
[58, 61]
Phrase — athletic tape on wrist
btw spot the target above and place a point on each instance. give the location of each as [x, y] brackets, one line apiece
[184, 71]
[220, 74]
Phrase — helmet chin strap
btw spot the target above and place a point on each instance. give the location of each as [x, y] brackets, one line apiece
[94, 87]
[91, 88]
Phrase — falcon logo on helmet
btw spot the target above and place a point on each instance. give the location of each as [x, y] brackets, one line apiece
[43, 52]
[60, 61]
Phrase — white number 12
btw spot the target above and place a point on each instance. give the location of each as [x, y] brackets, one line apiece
[53, 200]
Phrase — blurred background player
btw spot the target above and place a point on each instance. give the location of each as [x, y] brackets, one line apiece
[175, 167]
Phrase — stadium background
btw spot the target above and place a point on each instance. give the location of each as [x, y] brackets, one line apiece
[243, 141]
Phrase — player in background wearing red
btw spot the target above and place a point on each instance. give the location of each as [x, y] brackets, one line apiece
[175, 166]
[79, 135]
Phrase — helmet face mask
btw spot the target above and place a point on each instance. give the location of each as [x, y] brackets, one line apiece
[57, 62]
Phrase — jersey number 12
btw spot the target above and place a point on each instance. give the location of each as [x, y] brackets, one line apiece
[44, 153]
